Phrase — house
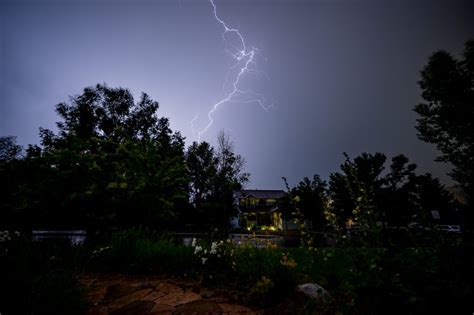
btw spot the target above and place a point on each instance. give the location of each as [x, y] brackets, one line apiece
[261, 210]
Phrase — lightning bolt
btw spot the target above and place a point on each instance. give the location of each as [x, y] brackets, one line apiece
[245, 59]
[192, 125]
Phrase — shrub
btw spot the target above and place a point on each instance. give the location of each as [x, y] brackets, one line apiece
[142, 251]
[40, 277]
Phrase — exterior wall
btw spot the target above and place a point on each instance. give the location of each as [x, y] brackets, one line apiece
[255, 212]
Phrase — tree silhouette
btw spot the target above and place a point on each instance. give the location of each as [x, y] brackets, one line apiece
[447, 116]
[113, 162]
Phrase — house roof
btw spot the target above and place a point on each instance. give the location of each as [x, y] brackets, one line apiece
[261, 194]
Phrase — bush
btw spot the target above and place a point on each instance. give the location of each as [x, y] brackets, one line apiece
[57, 292]
[263, 274]
[360, 280]
[40, 277]
[142, 251]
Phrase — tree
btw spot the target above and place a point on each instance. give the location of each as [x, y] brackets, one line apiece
[11, 172]
[112, 162]
[394, 199]
[430, 195]
[214, 175]
[9, 149]
[360, 178]
[230, 177]
[313, 199]
[447, 116]
[201, 163]
[397, 196]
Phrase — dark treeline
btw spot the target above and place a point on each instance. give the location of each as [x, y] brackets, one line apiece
[363, 192]
[114, 163]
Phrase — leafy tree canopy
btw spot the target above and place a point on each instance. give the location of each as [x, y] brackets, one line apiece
[214, 174]
[113, 162]
[446, 118]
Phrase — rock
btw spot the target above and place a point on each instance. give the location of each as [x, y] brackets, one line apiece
[313, 290]
[135, 308]
[150, 284]
[234, 309]
[118, 290]
[129, 298]
[153, 296]
[175, 299]
[97, 310]
[199, 307]
[96, 295]
[162, 309]
[169, 288]
[206, 293]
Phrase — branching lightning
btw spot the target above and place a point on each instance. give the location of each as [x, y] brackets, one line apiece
[192, 125]
[245, 59]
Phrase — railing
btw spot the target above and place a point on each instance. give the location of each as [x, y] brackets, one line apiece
[76, 237]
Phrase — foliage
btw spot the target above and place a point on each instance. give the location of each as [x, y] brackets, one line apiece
[359, 179]
[113, 162]
[360, 280]
[40, 277]
[140, 250]
[57, 292]
[446, 118]
[201, 162]
[214, 175]
[9, 149]
[312, 201]
[365, 197]
[266, 274]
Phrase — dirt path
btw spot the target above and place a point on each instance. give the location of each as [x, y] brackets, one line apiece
[140, 295]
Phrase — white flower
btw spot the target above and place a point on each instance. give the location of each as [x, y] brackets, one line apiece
[197, 249]
[205, 251]
[213, 252]
[16, 233]
[204, 260]
[2, 239]
[193, 243]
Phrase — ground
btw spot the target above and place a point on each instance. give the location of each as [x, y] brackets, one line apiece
[119, 294]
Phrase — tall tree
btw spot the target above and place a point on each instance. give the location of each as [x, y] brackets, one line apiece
[397, 197]
[201, 162]
[429, 195]
[214, 175]
[313, 200]
[359, 178]
[113, 161]
[446, 118]
[230, 176]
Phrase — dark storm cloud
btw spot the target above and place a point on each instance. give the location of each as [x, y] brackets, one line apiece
[342, 74]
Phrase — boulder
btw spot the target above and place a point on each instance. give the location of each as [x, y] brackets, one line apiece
[313, 290]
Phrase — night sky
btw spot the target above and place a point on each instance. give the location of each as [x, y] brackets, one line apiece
[341, 75]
